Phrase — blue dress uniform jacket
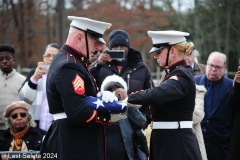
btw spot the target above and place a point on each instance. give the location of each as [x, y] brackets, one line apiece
[217, 125]
[172, 101]
[80, 136]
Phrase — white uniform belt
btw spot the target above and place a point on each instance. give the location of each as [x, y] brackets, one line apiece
[59, 116]
[172, 125]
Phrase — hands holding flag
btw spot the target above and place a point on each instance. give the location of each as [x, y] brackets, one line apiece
[106, 101]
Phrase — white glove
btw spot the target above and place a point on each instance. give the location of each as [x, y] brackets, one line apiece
[107, 96]
[125, 100]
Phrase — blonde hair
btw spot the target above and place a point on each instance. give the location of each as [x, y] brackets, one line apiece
[184, 47]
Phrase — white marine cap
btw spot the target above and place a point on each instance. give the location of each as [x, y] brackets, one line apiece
[163, 39]
[94, 28]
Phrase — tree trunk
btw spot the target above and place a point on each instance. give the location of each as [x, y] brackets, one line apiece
[196, 40]
[30, 26]
[228, 25]
[48, 23]
[61, 20]
[7, 20]
[20, 54]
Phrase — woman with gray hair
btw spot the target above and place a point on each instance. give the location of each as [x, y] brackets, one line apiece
[33, 90]
[21, 134]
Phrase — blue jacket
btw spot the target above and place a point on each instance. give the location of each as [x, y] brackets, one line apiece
[219, 123]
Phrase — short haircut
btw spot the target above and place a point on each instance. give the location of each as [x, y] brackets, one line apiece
[7, 48]
[54, 45]
[219, 54]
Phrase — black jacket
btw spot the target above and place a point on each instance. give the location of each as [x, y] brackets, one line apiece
[32, 138]
[135, 73]
[234, 104]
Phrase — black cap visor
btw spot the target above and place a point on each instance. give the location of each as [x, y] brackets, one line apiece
[95, 35]
[158, 47]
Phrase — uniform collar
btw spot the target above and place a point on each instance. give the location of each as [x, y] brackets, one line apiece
[178, 64]
[75, 53]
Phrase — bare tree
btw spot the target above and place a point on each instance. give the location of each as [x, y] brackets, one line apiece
[21, 33]
[7, 20]
[61, 20]
[30, 31]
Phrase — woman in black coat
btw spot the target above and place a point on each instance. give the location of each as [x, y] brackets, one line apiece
[21, 134]
[234, 104]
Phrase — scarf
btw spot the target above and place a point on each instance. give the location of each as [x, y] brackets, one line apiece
[18, 138]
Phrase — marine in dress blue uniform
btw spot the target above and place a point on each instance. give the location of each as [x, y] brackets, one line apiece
[172, 102]
[77, 131]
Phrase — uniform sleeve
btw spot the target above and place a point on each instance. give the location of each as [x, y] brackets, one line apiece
[71, 84]
[28, 91]
[170, 90]
[145, 107]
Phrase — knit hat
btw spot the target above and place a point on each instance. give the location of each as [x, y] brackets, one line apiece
[118, 37]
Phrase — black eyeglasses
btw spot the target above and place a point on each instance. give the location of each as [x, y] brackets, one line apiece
[213, 66]
[15, 115]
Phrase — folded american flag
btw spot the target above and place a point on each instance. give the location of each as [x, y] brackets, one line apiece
[99, 105]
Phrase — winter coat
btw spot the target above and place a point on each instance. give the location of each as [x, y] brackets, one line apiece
[135, 73]
[217, 125]
[33, 95]
[32, 138]
[198, 115]
[234, 104]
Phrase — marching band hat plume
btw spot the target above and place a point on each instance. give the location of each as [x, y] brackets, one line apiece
[162, 39]
[94, 28]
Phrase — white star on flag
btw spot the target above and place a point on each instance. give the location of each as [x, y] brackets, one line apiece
[98, 103]
[123, 104]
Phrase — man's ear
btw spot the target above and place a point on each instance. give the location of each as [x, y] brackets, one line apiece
[14, 60]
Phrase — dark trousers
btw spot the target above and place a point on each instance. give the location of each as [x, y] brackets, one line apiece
[214, 151]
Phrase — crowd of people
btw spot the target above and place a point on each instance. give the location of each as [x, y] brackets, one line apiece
[81, 103]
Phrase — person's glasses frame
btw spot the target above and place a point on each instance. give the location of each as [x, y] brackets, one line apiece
[15, 115]
[48, 55]
[215, 67]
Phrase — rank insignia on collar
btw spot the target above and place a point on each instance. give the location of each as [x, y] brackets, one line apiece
[168, 70]
[78, 85]
[174, 77]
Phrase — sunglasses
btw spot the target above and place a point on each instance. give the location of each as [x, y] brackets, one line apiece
[15, 115]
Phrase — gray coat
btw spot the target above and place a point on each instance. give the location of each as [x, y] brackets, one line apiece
[135, 120]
